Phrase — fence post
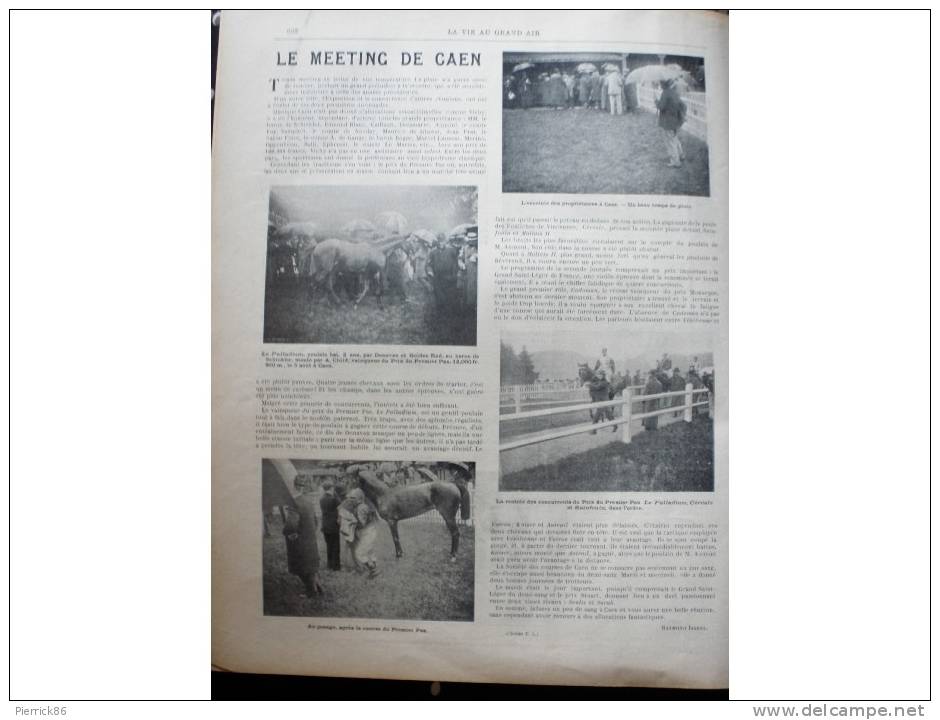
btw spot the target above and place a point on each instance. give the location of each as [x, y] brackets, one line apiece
[687, 415]
[517, 397]
[626, 414]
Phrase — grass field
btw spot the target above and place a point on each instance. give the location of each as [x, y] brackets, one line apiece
[423, 585]
[587, 151]
[291, 315]
[676, 458]
[512, 428]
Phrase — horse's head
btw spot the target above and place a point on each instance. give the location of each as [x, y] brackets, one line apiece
[370, 484]
[585, 374]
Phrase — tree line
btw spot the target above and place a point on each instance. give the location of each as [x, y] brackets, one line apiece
[515, 368]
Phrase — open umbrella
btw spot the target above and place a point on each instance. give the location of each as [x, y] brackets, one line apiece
[391, 222]
[462, 466]
[427, 473]
[307, 229]
[586, 68]
[464, 229]
[359, 229]
[425, 236]
[522, 66]
[655, 73]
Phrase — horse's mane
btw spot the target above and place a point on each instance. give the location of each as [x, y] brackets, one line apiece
[373, 484]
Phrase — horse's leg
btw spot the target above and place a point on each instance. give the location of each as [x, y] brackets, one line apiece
[380, 288]
[393, 526]
[329, 284]
[454, 536]
[365, 289]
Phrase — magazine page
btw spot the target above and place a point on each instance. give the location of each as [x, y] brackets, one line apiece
[470, 357]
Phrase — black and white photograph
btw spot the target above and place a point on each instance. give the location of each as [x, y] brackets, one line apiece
[368, 539]
[606, 412]
[379, 265]
[604, 122]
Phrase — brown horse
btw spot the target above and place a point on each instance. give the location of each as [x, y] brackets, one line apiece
[405, 501]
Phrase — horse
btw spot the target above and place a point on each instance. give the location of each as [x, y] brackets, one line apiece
[367, 262]
[405, 501]
[600, 392]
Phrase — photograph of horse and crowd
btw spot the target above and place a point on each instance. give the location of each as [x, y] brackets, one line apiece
[604, 122]
[581, 412]
[382, 265]
[374, 539]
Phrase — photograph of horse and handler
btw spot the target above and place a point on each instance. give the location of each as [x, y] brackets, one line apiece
[571, 422]
[604, 122]
[387, 540]
[378, 265]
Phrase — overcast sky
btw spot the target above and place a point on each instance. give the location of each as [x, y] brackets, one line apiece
[619, 343]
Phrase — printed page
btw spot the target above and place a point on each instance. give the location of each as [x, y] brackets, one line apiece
[470, 358]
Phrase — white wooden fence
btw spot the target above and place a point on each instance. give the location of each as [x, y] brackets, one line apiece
[696, 120]
[624, 421]
[514, 397]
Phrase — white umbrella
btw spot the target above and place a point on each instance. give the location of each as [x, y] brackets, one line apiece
[655, 73]
[425, 236]
[586, 68]
[359, 229]
[522, 66]
[307, 229]
[392, 222]
[427, 473]
[464, 229]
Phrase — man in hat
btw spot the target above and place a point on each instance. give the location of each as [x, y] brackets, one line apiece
[443, 261]
[671, 117]
[606, 363]
[653, 387]
[615, 91]
[329, 513]
[421, 252]
[468, 263]
[599, 389]
[300, 535]
[677, 383]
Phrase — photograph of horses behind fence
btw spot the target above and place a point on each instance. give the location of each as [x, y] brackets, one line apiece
[380, 265]
[606, 412]
[604, 122]
[391, 540]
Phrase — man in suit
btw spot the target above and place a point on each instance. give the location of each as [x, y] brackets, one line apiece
[300, 534]
[443, 262]
[329, 512]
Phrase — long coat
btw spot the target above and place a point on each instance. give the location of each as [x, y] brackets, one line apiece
[677, 383]
[671, 109]
[653, 387]
[303, 556]
[329, 511]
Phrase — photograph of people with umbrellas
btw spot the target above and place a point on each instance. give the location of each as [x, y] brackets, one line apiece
[381, 265]
[604, 122]
[368, 539]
